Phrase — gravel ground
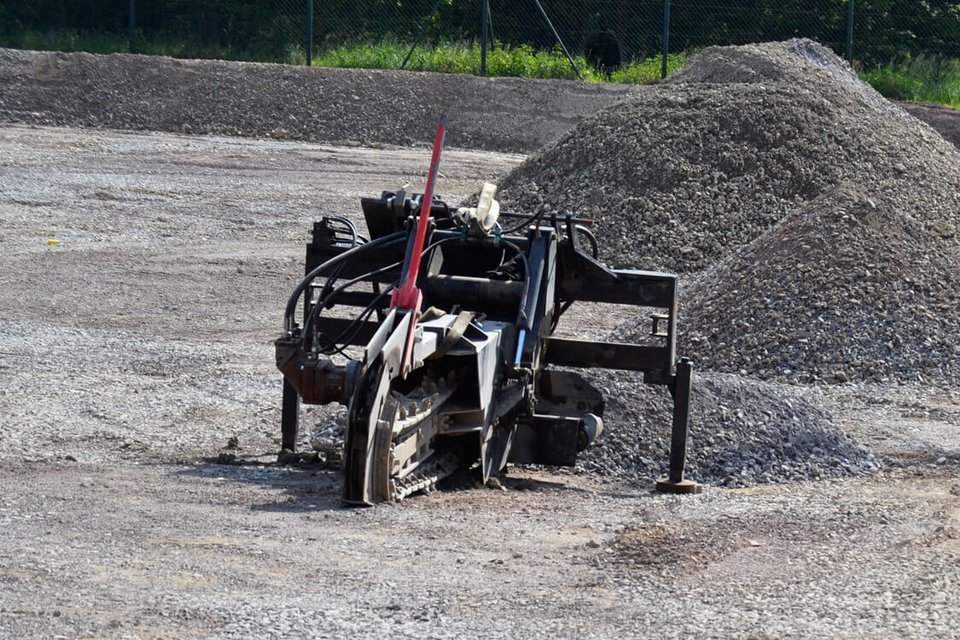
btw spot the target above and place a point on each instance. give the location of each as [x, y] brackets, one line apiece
[160, 304]
[131, 352]
[742, 431]
[191, 551]
[684, 172]
[140, 537]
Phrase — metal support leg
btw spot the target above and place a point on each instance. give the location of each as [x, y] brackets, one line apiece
[133, 26]
[665, 40]
[675, 483]
[289, 417]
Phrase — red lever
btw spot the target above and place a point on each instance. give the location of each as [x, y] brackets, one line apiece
[408, 296]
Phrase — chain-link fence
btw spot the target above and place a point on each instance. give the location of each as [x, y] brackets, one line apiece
[290, 30]
[271, 30]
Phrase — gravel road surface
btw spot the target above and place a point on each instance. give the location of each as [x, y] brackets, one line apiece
[134, 349]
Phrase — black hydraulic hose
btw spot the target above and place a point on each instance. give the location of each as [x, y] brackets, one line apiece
[355, 240]
[361, 278]
[318, 306]
[348, 223]
[291, 308]
[376, 272]
[347, 335]
[526, 273]
[331, 281]
[526, 222]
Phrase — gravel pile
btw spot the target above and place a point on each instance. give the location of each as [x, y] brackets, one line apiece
[848, 288]
[345, 106]
[682, 173]
[742, 432]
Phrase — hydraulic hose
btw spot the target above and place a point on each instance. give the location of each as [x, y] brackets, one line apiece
[291, 309]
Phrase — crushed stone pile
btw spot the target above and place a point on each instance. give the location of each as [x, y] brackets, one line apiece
[345, 106]
[848, 288]
[682, 173]
[742, 432]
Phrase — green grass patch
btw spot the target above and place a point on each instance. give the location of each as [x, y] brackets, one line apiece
[920, 79]
[521, 61]
[648, 70]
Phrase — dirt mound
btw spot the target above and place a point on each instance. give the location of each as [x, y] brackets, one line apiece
[741, 432]
[682, 173]
[346, 106]
[849, 288]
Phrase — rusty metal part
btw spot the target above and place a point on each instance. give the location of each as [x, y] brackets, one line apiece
[683, 486]
[316, 381]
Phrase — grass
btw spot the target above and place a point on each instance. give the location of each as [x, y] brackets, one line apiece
[648, 70]
[521, 61]
[457, 57]
[918, 79]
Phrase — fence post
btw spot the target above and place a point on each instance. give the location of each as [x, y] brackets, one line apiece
[133, 26]
[483, 37]
[665, 48]
[850, 31]
[309, 33]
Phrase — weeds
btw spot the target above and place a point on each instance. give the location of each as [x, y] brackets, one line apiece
[520, 61]
[919, 79]
[648, 71]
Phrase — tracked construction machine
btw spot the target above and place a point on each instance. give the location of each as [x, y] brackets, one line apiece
[455, 311]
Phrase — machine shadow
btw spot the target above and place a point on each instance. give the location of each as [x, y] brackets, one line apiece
[300, 487]
[311, 487]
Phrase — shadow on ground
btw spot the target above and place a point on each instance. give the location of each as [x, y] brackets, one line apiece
[312, 486]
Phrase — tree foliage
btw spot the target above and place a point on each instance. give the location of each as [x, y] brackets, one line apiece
[884, 29]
